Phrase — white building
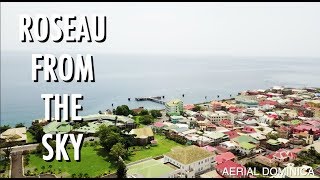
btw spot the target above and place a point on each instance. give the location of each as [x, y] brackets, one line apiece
[174, 107]
[191, 160]
[216, 116]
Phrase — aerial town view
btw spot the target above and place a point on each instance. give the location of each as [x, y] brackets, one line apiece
[160, 90]
[257, 131]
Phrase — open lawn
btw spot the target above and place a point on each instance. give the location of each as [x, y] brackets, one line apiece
[93, 162]
[30, 137]
[164, 146]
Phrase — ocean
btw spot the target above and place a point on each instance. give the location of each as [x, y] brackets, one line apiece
[119, 77]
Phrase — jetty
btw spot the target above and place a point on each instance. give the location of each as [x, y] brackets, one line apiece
[156, 99]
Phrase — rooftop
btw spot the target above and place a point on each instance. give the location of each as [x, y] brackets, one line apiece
[273, 142]
[188, 155]
[142, 132]
[246, 145]
[174, 102]
[55, 127]
[149, 169]
[16, 134]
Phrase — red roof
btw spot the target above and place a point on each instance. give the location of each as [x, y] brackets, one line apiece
[248, 129]
[188, 106]
[270, 102]
[228, 165]
[224, 157]
[232, 134]
[158, 124]
[221, 149]
[283, 153]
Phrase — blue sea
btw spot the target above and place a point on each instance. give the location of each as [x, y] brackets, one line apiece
[119, 77]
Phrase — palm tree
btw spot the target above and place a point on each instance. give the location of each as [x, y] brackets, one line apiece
[115, 120]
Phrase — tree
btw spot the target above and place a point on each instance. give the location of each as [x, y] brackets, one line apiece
[196, 108]
[109, 136]
[155, 113]
[122, 169]
[19, 125]
[37, 131]
[148, 119]
[133, 113]
[128, 140]
[9, 142]
[273, 135]
[144, 112]
[122, 110]
[118, 150]
[4, 128]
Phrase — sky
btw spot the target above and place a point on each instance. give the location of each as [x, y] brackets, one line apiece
[233, 29]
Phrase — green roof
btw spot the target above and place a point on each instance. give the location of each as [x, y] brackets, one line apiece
[273, 142]
[149, 169]
[215, 135]
[245, 138]
[295, 122]
[246, 145]
[57, 127]
[92, 127]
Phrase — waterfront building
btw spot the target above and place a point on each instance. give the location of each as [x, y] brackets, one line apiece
[174, 107]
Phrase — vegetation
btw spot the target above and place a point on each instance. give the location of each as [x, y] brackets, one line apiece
[144, 112]
[122, 169]
[176, 138]
[94, 162]
[140, 152]
[101, 161]
[118, 150]
[19, 125]
[155, 113]
[146, 120]
[109, 136]
[37, 131]
[272, 135]
[4, 128]
[30, 137]
[4, 164]
[196, 108]
[77, 125]
[122, 110]
[309, 157]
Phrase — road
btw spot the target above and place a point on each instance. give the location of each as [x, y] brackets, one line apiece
[16, 160]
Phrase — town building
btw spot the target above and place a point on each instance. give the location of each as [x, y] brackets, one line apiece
[174, 107]
[191, 160]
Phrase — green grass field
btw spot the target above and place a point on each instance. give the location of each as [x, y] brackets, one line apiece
[95, 162]
[164, 146]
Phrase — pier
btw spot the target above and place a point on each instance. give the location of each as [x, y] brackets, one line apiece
[156, 99]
